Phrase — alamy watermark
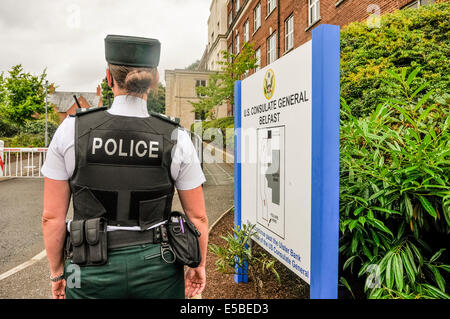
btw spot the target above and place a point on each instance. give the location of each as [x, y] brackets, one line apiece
[374, 19]
[73, 280]
[73, 20]
[373, 279]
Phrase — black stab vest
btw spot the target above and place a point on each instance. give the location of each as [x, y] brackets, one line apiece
[122, 168]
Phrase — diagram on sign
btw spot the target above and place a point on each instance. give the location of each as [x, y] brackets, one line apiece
[270, 179]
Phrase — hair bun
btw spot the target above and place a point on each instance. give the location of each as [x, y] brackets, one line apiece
[138, 81]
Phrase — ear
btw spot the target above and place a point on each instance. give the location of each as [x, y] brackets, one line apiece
[109, 78]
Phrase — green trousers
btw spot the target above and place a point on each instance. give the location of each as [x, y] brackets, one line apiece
[131, 272]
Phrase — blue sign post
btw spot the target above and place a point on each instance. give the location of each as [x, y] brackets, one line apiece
[240, 275]
[324, 188]
[325, 162]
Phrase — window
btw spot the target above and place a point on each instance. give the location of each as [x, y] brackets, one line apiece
[237, 48]
[271, 48]
[200, 83]
[246, 31]
[230, 18]
[314, 11]
[230, 52]
[418, 3]
[289, 30]
[237, 5]
[257, 17]
[271, 4]
[258, 58]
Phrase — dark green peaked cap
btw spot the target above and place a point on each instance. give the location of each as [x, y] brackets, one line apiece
[132, 51]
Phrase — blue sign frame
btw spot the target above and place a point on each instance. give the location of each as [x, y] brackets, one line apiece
[325, 162]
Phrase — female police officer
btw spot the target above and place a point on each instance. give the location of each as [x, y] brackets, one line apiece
[121, 165]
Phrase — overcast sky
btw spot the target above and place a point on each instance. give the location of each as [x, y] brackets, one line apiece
[67, 37]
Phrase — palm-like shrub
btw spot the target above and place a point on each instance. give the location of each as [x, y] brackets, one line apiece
[395, 192]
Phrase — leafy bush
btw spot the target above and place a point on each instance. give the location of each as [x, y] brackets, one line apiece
[38, 127]
[395, 193]
[25, 140]
[406, 39]
[238, 252]
[8, 129]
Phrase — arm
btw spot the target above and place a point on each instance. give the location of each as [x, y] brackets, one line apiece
[194, 206]
[56, 203]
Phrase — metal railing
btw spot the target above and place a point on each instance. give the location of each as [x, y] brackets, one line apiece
[21, 162]
[27, 162]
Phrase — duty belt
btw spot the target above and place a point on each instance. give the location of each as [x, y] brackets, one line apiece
[123, 238]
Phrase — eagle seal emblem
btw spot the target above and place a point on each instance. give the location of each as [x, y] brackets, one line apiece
[269, 84]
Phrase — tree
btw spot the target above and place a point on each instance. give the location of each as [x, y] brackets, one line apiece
[156, 100]
[220, 87]
[2, 90]
[209, 97]
[106, 93]
[21, 95]
[193, 66]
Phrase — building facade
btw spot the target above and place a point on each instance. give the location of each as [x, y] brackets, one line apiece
[181, 90]
[278, 26]
[181, 84]
[217, 30]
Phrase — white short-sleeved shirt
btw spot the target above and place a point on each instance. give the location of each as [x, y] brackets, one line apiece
[60, 161]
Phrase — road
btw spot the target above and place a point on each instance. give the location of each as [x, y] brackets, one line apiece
[21, 235]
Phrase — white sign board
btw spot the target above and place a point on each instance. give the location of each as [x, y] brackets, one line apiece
[287, 160]
[276, 183]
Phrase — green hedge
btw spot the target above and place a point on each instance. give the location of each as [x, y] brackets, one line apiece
[31, 134]
[406, 39]
[8, 129]
[38, 127]
[24, 140]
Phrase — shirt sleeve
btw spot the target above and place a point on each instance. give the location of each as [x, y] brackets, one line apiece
[186, 169]
[55, 165]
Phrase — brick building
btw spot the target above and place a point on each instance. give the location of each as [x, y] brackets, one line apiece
[278, 26]
[65, 104]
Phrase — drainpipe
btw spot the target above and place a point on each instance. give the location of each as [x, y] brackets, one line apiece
[278, 29]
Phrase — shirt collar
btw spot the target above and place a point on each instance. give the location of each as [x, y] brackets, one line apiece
[128, 105]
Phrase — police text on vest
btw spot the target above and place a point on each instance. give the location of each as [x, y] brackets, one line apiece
[112, 147]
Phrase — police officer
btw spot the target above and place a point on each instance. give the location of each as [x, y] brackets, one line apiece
[121, 165]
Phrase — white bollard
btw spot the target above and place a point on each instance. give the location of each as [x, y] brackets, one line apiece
[2, 165]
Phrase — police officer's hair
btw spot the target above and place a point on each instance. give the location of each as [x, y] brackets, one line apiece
[136, 81]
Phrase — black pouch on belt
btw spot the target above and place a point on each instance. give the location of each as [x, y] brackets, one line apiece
[183, 238]
[78, 244]
[89, 242]
[96, 239]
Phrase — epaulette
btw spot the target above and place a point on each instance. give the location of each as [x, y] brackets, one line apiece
[80, 112]
[166, 118]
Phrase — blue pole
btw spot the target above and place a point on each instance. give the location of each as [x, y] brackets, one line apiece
[239, 276]
[325, 162]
